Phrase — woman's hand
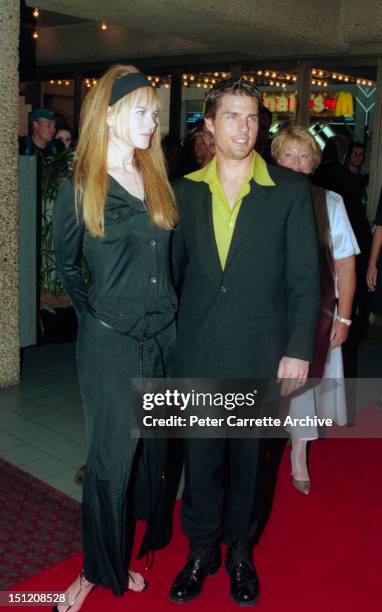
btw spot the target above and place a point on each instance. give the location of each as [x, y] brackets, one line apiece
[339, 333]
[371, 276]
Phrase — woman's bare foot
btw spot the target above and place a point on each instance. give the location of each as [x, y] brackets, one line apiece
[136, 582]
[76, 594]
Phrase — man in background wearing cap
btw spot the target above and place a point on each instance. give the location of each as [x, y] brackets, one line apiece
[43, 123]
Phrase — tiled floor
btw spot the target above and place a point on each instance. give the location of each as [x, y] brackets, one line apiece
[41, 421]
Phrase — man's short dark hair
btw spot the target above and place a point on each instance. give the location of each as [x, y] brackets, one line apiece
[357, 145]
[265, 111]
[231, 85]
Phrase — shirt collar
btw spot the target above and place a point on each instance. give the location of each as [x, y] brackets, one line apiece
[259, 172]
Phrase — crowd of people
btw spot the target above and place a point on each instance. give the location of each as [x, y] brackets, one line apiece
[259, 263]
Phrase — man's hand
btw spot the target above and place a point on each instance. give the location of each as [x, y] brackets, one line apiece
[292, 374]
[339, 333]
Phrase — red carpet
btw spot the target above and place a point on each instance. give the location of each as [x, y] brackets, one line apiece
[318, 553]
[40, 526]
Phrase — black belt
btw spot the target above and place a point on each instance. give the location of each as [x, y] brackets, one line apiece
[140, 339]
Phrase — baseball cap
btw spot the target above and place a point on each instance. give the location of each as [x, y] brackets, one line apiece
[42, 113]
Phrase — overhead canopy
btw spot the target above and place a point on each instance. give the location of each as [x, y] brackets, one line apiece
[241, 29]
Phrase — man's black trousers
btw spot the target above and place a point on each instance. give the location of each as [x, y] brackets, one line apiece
[219, 500]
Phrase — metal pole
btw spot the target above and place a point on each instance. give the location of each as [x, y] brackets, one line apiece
[175, 104]
[303, 93]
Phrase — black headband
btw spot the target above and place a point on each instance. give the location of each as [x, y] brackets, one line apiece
[126, 84]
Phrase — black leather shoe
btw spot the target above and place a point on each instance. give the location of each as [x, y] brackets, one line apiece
[244, 580]
[188, 584]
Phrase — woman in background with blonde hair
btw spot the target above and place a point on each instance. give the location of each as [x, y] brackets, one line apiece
[296, 149]
[117, 211]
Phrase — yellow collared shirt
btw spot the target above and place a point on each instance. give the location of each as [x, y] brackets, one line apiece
[224, 217]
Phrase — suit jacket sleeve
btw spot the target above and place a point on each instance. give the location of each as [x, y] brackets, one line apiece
[68, 234]
[302, 268]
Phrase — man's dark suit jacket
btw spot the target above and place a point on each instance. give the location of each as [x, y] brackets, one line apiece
[239, 322]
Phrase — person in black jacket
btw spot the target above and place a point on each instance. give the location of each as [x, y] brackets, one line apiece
[41, 139]
[374, 269]
[246, 266]
[333, 175]
[117, 211]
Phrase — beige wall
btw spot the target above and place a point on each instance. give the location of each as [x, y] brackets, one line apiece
[9, 112]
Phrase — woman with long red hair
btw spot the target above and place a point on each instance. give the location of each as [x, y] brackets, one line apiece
[117, 212]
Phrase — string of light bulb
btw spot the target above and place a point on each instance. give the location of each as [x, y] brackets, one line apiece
[320, 79]
[36, 15]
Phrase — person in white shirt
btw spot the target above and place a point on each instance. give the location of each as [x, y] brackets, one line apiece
[296, 149]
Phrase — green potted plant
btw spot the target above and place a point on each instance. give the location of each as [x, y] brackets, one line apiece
[56, 313]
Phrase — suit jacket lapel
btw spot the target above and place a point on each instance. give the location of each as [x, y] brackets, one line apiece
[249, 210]
[207, 229]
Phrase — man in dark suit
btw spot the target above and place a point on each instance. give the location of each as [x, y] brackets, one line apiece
[245, 262]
